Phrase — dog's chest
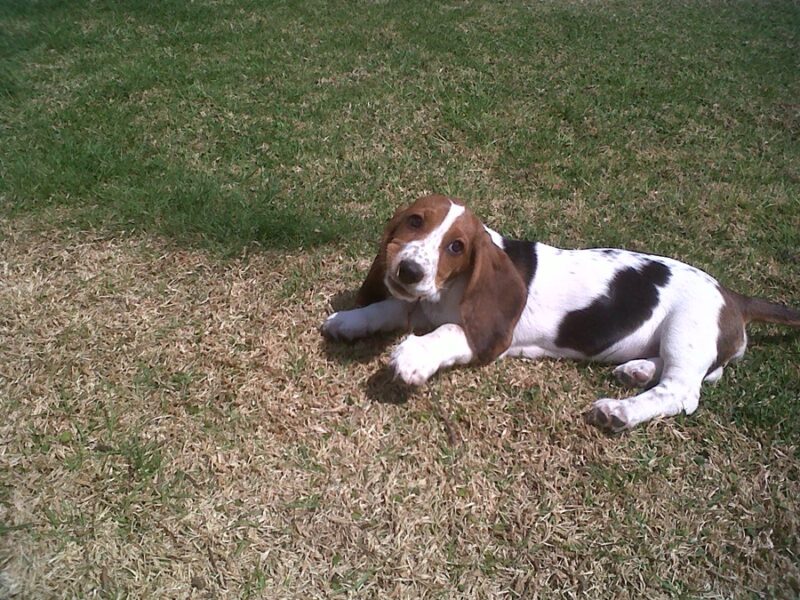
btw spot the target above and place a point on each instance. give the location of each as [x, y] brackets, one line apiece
[448, 308]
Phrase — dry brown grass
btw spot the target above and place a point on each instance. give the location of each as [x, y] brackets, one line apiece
[174, 426]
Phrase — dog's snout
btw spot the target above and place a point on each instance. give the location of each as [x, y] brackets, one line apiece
[409, 272]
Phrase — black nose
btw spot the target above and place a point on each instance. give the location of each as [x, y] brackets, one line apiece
[409, 272]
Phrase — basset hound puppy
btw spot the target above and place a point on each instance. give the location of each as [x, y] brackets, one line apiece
[481, 296]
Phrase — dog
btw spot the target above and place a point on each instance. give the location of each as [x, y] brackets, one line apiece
[668, 325]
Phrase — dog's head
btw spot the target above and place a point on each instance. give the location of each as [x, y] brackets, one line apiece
[425, 247]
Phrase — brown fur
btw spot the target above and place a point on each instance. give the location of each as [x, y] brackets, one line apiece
[493, 300]
[731, 335]
[757, 309]
[737, 312]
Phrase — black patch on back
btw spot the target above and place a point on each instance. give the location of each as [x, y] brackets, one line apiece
[523, 255]
[629, 301]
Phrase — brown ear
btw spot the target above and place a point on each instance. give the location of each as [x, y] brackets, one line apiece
[374, 289]
[493, 300]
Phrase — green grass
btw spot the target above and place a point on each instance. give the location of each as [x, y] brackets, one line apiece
[291, 125]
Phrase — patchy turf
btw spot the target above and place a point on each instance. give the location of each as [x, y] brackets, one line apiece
[174, 426]
[171, 423]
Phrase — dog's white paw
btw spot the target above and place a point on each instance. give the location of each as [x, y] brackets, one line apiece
[411, 361]
[347, 325]
[609, 414]
[636, 373]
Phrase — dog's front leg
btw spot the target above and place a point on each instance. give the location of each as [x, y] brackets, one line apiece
[417, 358]
[387, 315]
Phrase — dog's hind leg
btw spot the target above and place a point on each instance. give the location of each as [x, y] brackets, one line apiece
[688, 350]
[666, 399]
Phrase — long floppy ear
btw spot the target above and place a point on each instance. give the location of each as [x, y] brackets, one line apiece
[493, 300]
[374, 289]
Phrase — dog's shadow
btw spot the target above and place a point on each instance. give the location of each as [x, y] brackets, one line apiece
[344, 300]
[382, 386]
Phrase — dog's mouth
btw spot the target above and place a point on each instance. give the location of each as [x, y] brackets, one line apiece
[400, 291]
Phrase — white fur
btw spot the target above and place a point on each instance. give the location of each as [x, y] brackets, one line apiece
[388, 315]
[417, 358]
[640, 372]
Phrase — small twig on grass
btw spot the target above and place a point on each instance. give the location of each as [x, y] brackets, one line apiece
[447, 424]
[217, 572]
[166, 530]
[105, 582]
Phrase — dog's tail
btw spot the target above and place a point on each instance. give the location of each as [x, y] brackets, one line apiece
[758, 309]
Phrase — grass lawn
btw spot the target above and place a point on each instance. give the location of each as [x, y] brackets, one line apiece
[188, 188]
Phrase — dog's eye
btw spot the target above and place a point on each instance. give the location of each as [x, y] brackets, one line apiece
[456, 247]
[414, 221]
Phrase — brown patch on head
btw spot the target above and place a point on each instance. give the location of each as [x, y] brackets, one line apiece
[731, 338]
[411, 223]
[417, 222]
[458, 247]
